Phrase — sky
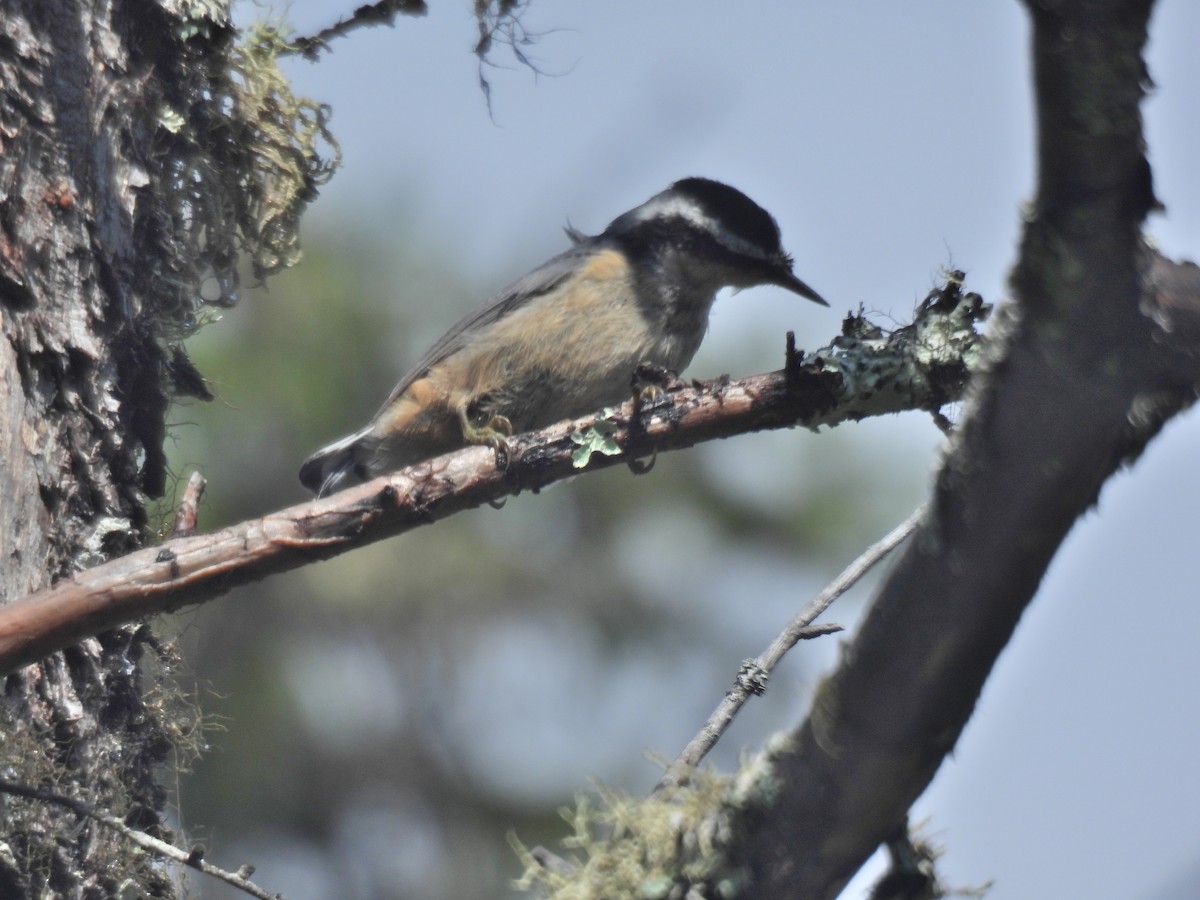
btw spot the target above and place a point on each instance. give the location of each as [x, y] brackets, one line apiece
[890, 140]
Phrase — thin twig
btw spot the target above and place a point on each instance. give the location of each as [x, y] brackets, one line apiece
[187, 514]
[193, 858]
[753, 674]
[381, 13]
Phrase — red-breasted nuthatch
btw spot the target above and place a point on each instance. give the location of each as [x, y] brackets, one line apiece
[566, 339]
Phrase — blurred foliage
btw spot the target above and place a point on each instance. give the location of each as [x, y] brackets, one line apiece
[392, 715]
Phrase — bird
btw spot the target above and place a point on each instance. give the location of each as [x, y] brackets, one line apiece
[566, 339]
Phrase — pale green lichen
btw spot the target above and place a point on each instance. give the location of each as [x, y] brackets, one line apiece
[239, 157]
[171, 119]
[672, 844]
[289, 150]
[927, 362]
[599, 438]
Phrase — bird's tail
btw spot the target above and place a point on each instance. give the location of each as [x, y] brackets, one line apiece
[334, 467]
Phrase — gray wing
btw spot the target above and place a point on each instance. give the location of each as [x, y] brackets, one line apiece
[541, 280]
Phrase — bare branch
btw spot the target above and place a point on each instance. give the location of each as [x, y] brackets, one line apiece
[370, 14]
[864, 372]
[188, 512]
[193, 858]
[753, 674]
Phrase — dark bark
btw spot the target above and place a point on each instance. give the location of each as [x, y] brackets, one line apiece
[93, 293]
[1088, 365]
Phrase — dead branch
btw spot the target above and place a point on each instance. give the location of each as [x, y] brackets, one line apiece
[369, 14]
[752, 677]
[187, 514]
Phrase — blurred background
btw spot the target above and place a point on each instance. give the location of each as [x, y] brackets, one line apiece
[386, 719]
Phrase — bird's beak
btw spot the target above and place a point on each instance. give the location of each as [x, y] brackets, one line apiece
[787, 280]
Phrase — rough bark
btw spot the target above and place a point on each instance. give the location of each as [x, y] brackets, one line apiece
[89, 309]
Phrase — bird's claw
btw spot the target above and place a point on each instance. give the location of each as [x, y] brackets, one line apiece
[650, 383]
[493, 433]
[638, 467]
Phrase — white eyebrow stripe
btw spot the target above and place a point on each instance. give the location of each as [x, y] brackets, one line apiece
[664, 207]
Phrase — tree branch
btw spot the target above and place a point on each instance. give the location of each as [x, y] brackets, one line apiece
[369, 14]
[187, 514]
[864, 372]
[193, 858]
[753, 674]
[1084, 375]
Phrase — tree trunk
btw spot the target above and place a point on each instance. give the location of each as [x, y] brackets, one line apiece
[95, 287]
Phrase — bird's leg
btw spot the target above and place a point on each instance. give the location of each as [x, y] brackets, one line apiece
[480, 428]
[649, 383]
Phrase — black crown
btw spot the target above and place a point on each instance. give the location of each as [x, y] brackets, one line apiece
[734, 210]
